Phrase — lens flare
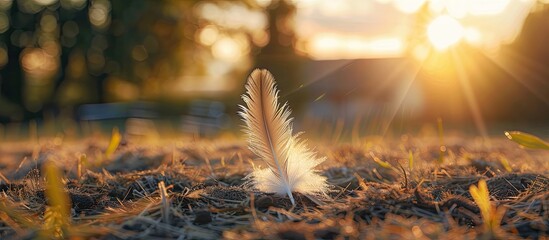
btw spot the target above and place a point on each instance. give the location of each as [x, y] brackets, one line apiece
[444, 32]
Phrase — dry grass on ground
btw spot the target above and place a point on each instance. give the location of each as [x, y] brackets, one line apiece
[189, 189]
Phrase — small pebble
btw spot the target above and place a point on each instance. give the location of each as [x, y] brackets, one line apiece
[202, 217]
[264, 202]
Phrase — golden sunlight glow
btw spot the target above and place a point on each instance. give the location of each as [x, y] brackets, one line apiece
[326, 46]
[456, 9]
[460, 9]
[444, 32]
[334, 8]
[408, 6]
[386, 45]
[472, 35]
[227, 49]
[486, 24]
[487, 7]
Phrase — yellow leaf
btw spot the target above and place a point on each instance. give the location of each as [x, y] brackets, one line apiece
[482, 199]
[527, 140]
[55, 189]
[505, 163]
[381, 163]
[57, 216]
[115, 141]
[490, 215]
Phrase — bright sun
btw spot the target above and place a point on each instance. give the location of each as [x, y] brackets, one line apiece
[444, 31]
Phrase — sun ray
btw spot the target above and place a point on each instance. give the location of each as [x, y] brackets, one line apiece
[470, 97]
[515, 71]
[401, 98]
[322, 76]
[531, 66]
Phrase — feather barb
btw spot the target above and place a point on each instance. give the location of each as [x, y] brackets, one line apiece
[267, 124]
[269, 129]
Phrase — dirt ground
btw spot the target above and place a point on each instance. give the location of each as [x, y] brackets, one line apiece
[122, 196]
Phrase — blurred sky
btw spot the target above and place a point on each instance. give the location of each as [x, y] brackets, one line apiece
[384, 28]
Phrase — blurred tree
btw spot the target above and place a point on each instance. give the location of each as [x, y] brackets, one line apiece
[149, 41]
[279, 54]
[58, 54]
[41, 38]
[67, 52]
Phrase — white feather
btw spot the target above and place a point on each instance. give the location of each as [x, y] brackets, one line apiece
[269, 128]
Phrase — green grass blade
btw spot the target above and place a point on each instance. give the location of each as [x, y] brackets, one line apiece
[527, 140]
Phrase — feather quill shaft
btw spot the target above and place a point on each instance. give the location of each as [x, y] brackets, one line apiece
[267, 125]
[269, 129]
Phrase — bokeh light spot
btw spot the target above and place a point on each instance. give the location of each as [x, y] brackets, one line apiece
[5, 4]
[70, 29]
[4, 22]
[37, 62]
[99, 13]
[208, 35]
[48, 23]
[226, 49]
[139, 53]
